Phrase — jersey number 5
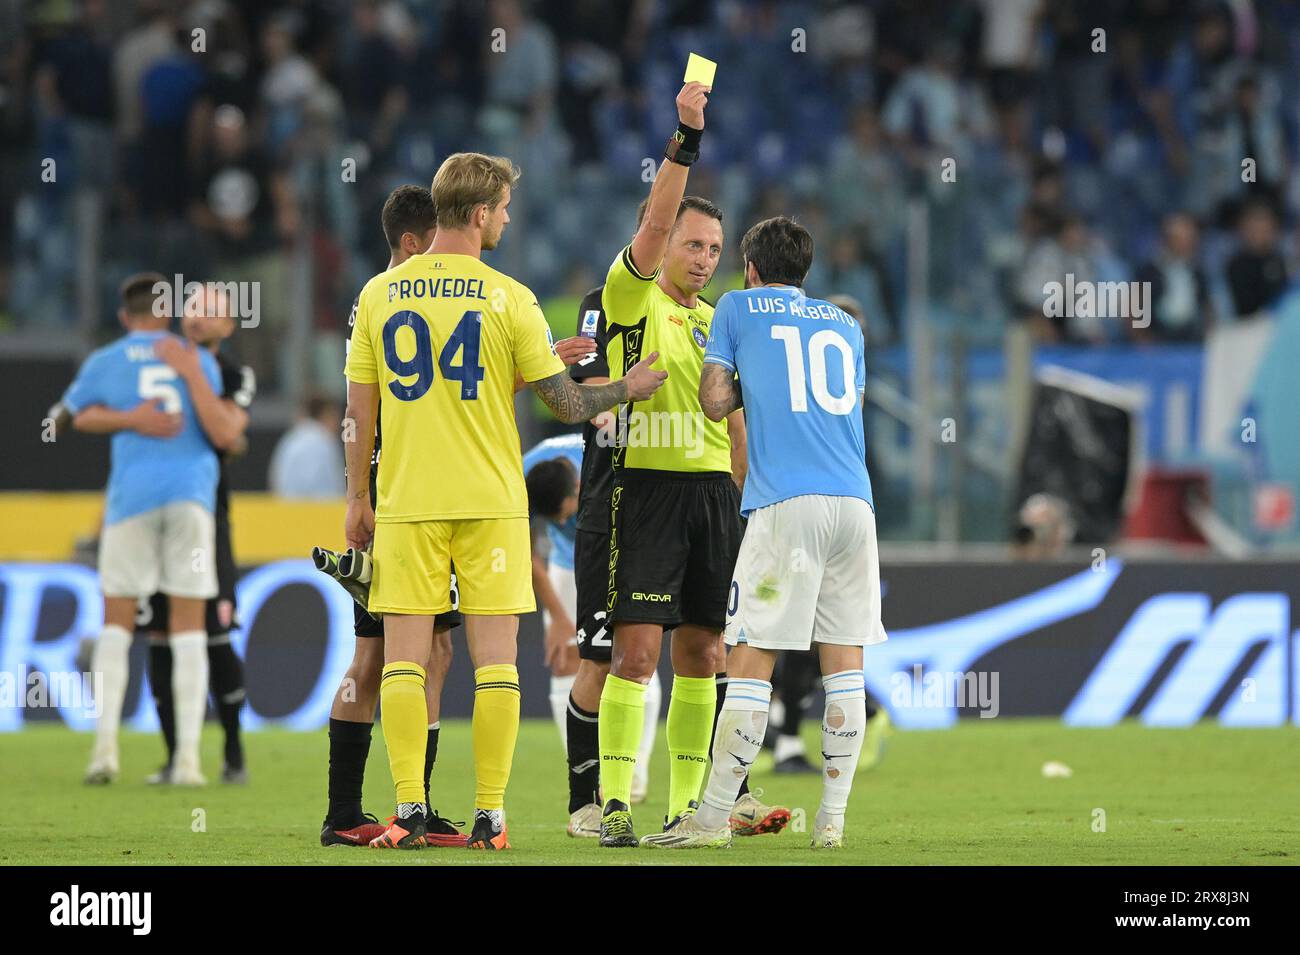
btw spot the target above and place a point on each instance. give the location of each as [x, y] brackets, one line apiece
[464, 339]
[157, 383]
[816, 374]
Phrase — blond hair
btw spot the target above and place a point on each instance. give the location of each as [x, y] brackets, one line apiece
[466, 180]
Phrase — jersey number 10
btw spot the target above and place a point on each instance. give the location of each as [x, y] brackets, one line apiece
[816, 374]
[465, 338]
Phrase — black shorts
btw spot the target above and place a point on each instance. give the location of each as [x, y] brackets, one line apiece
[591, 576]
[152, 615]
[364, 625]
[674, 538]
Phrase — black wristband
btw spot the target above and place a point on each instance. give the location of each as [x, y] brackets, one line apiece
[684, 146]
[688, 137]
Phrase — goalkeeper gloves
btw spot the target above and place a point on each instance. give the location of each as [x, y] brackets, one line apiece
[353, 569]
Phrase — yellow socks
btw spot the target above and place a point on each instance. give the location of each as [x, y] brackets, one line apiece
[690, 727]
[406, 718]
[622, 716]
[495, 728]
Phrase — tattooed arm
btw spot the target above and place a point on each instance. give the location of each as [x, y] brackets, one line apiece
[719, 391]
[573, 403]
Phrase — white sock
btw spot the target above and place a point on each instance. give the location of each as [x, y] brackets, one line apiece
[111, 665]
[189, 694]
[787, 746]
[843, 724]
[561, 686]
[737, 742]
[654, 699]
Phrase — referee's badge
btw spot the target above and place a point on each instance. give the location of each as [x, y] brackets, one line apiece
[589, 320]
[698, 335]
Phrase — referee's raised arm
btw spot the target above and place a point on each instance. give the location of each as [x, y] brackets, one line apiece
[651, 239]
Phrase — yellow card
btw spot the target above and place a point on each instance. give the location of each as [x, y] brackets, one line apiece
[699, 70]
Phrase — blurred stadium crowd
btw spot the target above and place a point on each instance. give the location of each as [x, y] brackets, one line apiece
[1111, 155]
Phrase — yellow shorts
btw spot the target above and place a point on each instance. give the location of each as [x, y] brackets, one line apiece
[413, 561]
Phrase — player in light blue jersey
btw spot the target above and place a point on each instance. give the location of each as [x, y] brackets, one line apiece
[551, 473]
[159, 399]
[808, 570]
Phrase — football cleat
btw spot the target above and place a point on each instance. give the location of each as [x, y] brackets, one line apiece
[359, 835]
[234, 777]
[182, 776]
[489, 830]
[585, 822]
[440, 832]
[685, 832]
[163, 777]
[829, 836]
[100, 775]
[616, 826]
[407, 833]
[749, 817]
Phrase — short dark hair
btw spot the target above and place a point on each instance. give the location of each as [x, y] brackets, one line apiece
[699, 204]
[780, 249]
[549, 483]
[407, 209]
[688, 202]
[138, 292]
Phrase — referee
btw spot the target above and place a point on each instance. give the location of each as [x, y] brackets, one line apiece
[674, 510]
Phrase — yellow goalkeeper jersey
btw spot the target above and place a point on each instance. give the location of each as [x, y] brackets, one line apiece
[669, 432]
[443, 335]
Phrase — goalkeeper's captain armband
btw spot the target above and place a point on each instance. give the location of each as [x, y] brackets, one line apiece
[684, 146]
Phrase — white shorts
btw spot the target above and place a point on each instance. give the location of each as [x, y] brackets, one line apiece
[170, 550]
[566, 588]
[808, 571]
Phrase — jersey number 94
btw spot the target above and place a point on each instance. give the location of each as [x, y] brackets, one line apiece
[465, 338]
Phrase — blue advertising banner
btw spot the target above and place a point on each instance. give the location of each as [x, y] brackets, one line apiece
[1161, 642]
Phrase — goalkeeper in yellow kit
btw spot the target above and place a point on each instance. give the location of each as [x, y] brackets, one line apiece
[442, 337]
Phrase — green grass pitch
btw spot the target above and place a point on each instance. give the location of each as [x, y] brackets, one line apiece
[970, 795]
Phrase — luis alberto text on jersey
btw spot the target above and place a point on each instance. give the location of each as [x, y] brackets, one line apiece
[669, 432]
[443, 336]
[802, 369]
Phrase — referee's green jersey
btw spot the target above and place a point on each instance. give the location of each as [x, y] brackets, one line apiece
[669, 432]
